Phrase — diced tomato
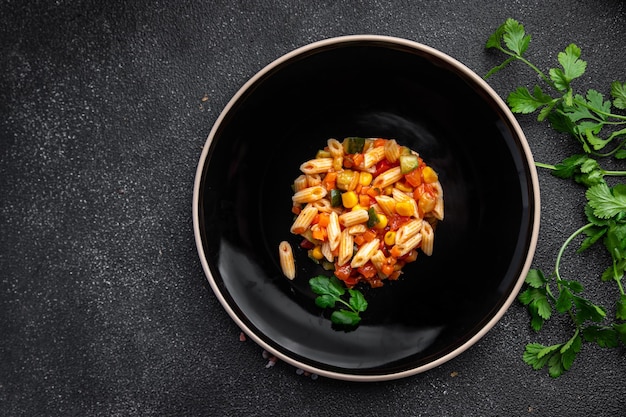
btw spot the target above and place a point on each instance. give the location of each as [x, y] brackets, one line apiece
[343, 272]
[395, 251]
[414, 177]
[306, 244]
[382, 166]
[368, 270]
[369, 235]
[330, 180]
[324, 219]
[379, 142]
[396, 221]
[319, 233]
[358, 159]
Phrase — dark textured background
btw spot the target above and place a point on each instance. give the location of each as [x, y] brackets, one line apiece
[104, 109]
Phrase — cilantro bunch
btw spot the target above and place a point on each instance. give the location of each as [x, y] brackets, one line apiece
[594, 123]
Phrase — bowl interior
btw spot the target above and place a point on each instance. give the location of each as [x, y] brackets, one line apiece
[372, 88]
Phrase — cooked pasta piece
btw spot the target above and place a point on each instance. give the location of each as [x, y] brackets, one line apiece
[334, 231]
[335, 147]
[388, 177]
[409, 244]
[387, 204]
[287, 262]
[327, 252]
[378, 260]
[353, 217]
[317, 165]
[373, 156]
[313, 179]
[428, 239]
[357, 229]
[304, 220]
[392, 150]
[323, 205]
[438, 210]
[309, 194]
[346, 248]
[300, 183]
[408, 230]
[364, 253]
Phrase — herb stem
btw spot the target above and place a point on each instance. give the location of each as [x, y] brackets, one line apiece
[562, 250]
[603, 113]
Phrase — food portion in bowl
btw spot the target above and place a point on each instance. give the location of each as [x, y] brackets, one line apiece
[364, 206]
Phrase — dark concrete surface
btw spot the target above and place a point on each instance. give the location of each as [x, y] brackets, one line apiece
[104, 110]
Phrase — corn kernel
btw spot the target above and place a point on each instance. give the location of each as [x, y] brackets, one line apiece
[429, 175]
[404, 187]
[404, 208]
[358, 207]
[365, 178]
[316, 253]
[349, 199]
[382, 221]
[388, 190]
[390, 238]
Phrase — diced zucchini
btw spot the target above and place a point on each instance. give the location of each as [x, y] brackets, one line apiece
[335, 198]
[353, 144]
[373, 219]
[408, 163]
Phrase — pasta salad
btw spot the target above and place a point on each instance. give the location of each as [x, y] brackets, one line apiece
[364, 207]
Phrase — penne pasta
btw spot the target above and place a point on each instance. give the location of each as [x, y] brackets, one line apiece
[428, 239]
[357, 229]
[346, 249]
[300, 183]
[387, 204]
[438, 210]
[304, 220]
[361, 215]
[317, 166]
[287, 262]
[323, 205]
[408, 230]
[327, 252]
[309, 194]
[313, 179]
[335, 148]
[353, 217]
[373, 156]
[409, 244]
[388, 177]
[334, 231]
[364, 254]
[392, 150]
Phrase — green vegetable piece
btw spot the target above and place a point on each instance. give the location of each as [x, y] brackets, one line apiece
[335, 197]
[408, 163]
[353, 144]
[330, 292]
[592, 121]
[373, 219]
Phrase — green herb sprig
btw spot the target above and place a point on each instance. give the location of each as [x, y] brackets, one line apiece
[595, 124]
[330, 292]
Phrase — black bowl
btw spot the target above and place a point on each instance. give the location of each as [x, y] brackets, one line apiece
[372, 86]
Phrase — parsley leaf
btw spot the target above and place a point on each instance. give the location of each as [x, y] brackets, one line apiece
[590, 119]
[330, 292]
[573, 67]
[618, 91]
[607, 202]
